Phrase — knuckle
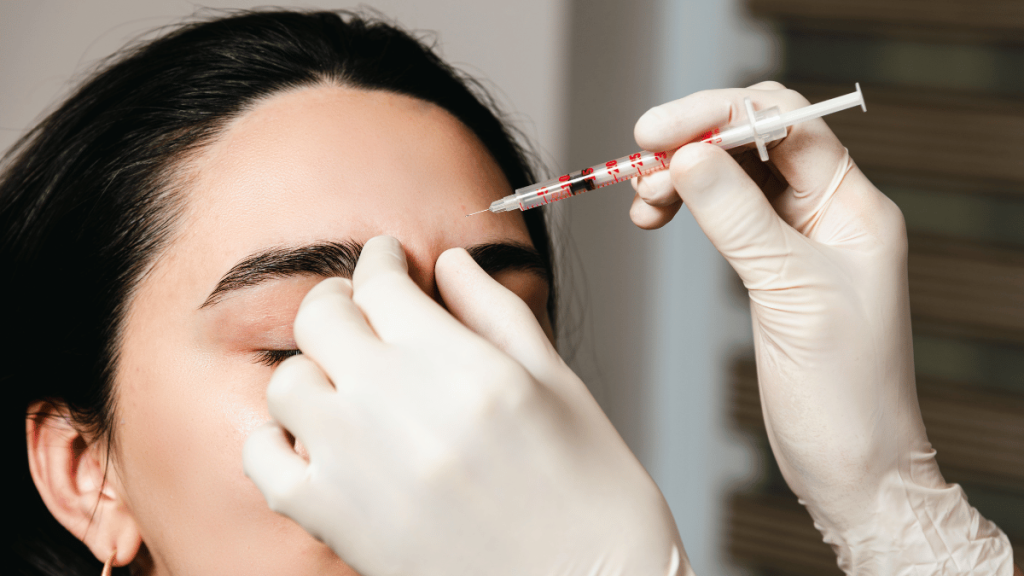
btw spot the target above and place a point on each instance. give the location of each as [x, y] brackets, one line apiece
[491, 389]
[767, 85]
[709, 95]
[437, 465]
[507, 393]
[732, 114]
[793, 99]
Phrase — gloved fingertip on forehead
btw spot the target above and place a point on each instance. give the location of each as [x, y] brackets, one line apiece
[456, 272]
[386, 244]
[453, 259]
[380, 254]
[330, 286]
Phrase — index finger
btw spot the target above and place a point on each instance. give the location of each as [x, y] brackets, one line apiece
[396, 308]
[330, 329]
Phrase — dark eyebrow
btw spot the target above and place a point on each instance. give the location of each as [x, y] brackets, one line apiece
[329, 259]
[322, 259]
[495, 257]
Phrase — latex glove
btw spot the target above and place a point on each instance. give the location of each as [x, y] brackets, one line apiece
[434, 450]
[823, 255]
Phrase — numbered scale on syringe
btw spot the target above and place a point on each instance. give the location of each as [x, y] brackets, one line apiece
[599, 176]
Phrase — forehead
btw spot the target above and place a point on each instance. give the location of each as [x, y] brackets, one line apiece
[329, 163]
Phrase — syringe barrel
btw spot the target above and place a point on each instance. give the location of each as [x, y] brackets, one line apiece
[592, 178]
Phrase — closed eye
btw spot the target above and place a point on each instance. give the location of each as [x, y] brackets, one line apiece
[274, 357]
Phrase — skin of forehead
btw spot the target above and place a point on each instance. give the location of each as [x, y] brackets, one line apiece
[337, 163]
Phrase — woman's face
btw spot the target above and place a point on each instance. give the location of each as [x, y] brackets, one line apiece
[299, 171]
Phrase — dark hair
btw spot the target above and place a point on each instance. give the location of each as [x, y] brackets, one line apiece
[87, 200]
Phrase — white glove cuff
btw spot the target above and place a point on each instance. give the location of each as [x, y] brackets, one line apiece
[920, 530]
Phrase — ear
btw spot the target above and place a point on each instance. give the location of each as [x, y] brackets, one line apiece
[74, 482]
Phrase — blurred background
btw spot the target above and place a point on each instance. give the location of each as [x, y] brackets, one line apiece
[655, 322]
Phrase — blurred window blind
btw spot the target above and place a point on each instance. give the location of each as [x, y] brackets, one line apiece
[944, 138]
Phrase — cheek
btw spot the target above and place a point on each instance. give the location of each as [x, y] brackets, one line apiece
[183, 423]
[180, 437]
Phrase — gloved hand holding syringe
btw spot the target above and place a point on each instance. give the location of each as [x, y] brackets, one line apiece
[761, 127]
[510, 467]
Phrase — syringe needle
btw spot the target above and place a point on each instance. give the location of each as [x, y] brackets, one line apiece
[475, 213]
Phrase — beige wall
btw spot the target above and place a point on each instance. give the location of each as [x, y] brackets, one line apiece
[46, 44]
[661, 317]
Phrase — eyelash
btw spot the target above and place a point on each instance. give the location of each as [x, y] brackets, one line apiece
[274, 357]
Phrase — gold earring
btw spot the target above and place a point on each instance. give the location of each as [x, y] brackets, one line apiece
[108, 563]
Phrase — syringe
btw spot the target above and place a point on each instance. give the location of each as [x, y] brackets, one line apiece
[762, 126]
